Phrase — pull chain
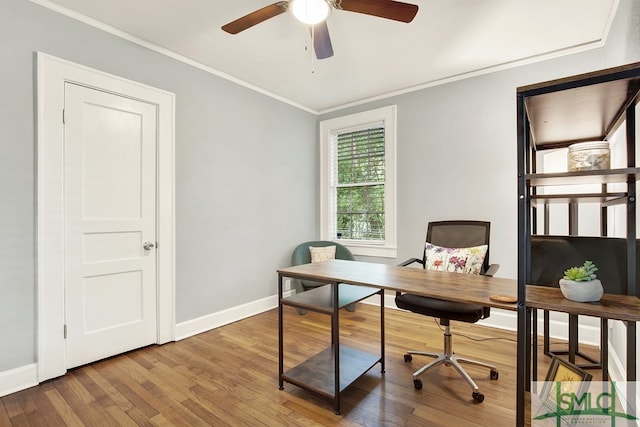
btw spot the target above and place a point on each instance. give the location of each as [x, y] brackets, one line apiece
[313, 31]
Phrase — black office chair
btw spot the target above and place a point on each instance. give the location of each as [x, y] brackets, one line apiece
[451, 234]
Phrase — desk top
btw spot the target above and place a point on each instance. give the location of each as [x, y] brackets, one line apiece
[470, 289]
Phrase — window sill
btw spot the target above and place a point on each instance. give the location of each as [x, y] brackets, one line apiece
[372, 251]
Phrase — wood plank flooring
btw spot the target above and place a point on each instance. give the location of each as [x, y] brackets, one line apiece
[229, 377]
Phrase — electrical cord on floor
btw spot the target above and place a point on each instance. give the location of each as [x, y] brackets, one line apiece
[491, 338]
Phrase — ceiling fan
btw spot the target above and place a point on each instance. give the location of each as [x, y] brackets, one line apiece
[315, 12]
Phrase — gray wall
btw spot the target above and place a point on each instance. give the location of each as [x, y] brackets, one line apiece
[457, 143]
[246, 165]
[246, 173]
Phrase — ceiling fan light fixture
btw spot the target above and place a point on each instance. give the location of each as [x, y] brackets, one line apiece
[310, 12]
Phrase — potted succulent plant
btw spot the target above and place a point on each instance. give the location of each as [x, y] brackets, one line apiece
[581, 284]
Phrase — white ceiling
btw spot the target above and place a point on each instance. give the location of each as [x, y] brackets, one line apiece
[373, 57]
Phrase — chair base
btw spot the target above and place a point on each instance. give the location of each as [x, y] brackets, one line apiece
[448, 358]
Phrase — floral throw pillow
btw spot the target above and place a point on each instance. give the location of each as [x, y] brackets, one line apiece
[454, 260]
[322, 253]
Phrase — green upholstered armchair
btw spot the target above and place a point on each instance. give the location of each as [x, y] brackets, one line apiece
[302, 255]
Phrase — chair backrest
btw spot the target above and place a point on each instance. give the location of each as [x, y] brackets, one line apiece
[459, 234]
[301, 255]
[552, 255]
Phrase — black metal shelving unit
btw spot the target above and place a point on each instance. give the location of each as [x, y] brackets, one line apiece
[556, 114]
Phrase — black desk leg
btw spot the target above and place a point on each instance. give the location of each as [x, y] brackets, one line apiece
[547, 349]
[280, 335]
[573, 337]
[632, 388]
[335, 339]
[382, 358]
[532, 357]
[604, 348]
[523, 365]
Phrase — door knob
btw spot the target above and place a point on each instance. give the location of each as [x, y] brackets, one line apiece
[148, 246]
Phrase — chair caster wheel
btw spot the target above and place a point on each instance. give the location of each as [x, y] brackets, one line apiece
[494, 374]
[408, 358]
[417, 384]
[477, 397]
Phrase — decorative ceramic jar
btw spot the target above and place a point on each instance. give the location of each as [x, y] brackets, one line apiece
[586, 156]
[589, 291]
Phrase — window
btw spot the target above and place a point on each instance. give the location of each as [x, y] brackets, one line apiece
[358, 182]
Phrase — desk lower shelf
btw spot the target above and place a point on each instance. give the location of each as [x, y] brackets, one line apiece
[320, 299]
[318, 374]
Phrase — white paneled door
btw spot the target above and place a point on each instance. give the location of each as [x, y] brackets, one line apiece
[110, 224]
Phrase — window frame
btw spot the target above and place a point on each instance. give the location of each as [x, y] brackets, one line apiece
[387, 116]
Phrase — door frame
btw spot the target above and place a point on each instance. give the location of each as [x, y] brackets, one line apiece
[52, 74]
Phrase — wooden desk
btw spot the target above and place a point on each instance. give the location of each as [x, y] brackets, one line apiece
[331, 371]
[450, 287]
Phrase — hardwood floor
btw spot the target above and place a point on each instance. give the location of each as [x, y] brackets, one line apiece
[229, 377]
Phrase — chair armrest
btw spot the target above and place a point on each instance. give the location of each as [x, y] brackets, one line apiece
[411, 261]
[493, 269]
[406, 263]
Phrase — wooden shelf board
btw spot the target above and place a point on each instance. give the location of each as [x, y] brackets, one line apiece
[605, 198]
[587, 107]
[320, 299]
[611, 306]
[608, 176]
[318, 374]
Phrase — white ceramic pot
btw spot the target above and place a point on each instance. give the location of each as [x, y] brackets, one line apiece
[581, 291]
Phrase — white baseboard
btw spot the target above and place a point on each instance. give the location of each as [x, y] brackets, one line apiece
[617, 369]
[18, 379]
[224, 317]
[501, 319]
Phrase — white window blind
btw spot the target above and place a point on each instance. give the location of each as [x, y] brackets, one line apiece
[359, 183]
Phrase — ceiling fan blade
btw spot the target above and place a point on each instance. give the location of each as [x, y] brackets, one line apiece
[390, 9]
[256, 17]
[322, 41]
